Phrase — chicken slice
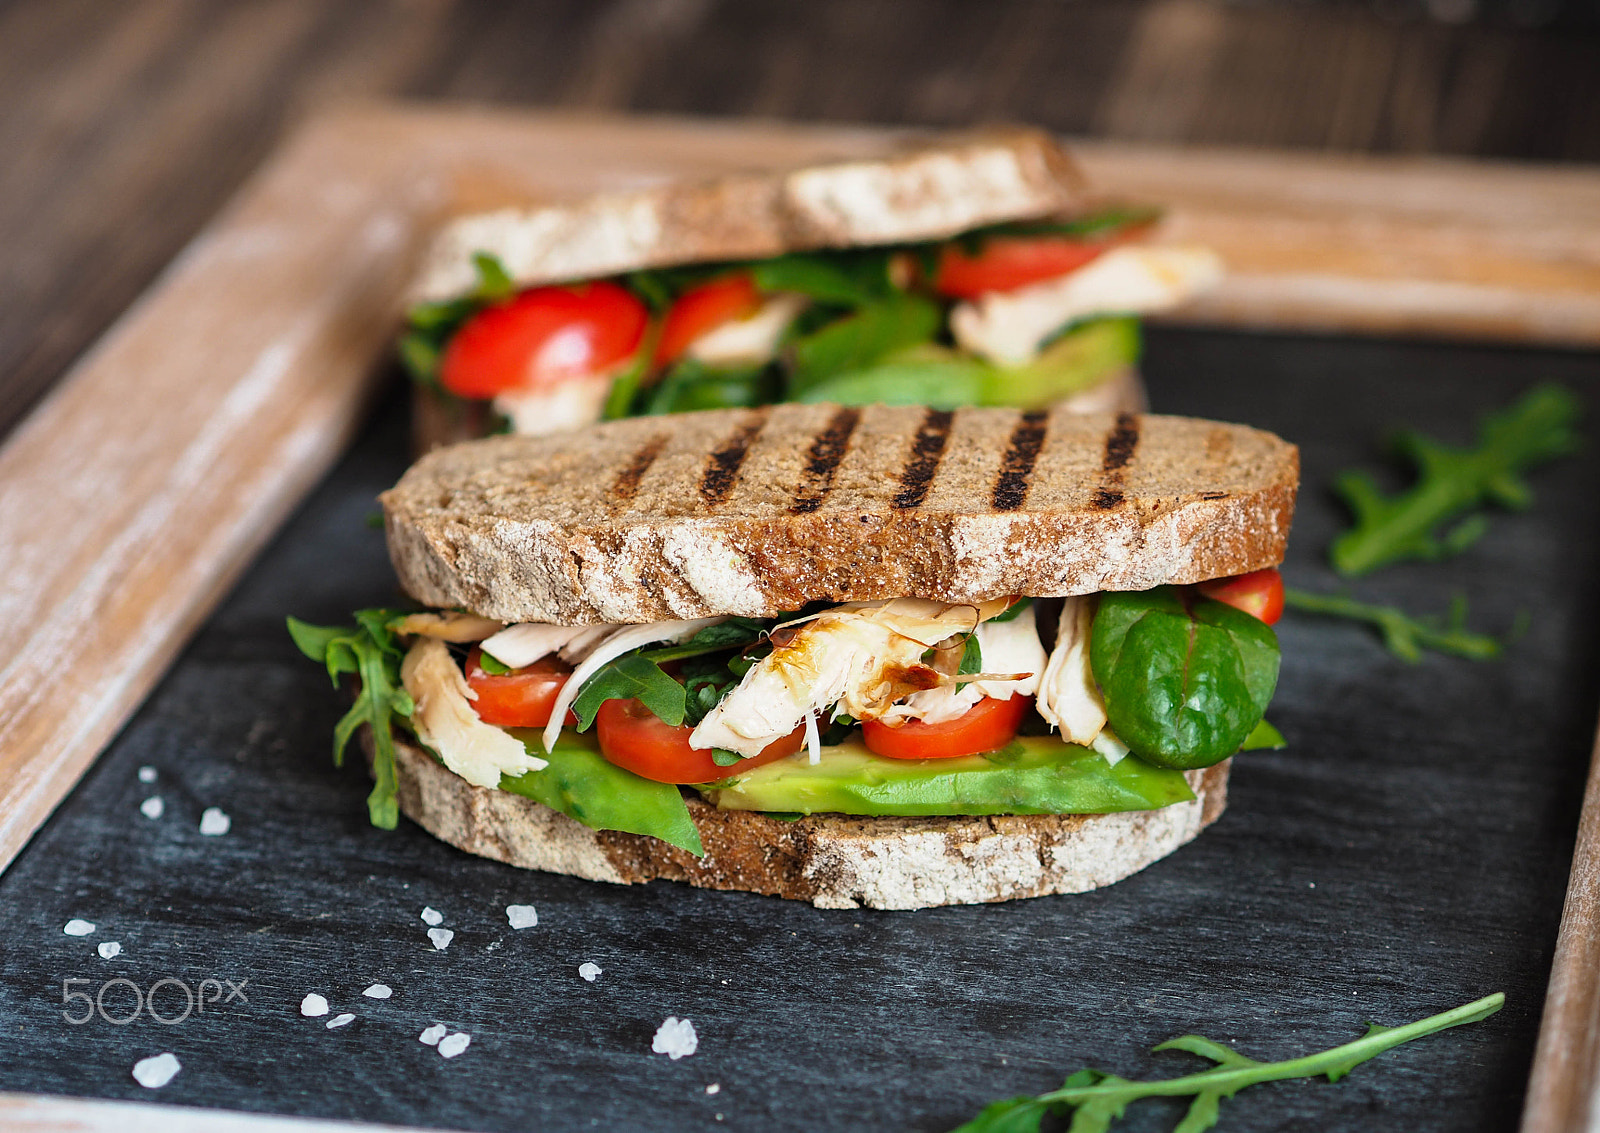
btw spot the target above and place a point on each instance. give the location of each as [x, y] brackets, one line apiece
[862, 656]
[1068, 695]
[444, 719]
[448, 625]
[522, 644]
[1007, 647]
[1008, 327]
[750, 341]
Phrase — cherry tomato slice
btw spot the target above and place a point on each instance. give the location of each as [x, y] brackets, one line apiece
[542, 337]
[1259, 593]
[521, 698]
[1005, 263]
[637, 740]
[702, 309]
[987, 725]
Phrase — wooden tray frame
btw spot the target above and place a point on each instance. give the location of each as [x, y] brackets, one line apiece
[157, 468]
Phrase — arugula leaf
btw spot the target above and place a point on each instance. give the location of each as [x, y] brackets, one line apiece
[491, 664]
[1185, 678]
[1013, 611]
[1094, 225]
[842, 279]
[369, 651]
[581, 783]
[1404, 636]
[430, 325]
[862, 339]
[690, 384]
[1095, 1100]
[631, 676]
[1450, 481]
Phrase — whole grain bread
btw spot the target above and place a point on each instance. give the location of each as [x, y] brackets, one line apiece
[926, 189]
[833, 861]
[760, 511]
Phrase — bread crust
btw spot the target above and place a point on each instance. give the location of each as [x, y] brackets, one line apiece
[756, 512]
[924, 189]
[833, 861]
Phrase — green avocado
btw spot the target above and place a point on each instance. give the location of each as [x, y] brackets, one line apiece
[1030, 775]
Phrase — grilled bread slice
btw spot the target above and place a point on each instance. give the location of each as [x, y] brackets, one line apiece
[760, 511]
[927, 190]
[834, 861]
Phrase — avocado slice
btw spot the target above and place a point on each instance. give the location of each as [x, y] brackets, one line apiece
[1030, 775]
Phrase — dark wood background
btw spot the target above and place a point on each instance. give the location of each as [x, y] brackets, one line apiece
[125, 126]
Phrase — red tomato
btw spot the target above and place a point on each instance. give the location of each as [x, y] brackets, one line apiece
[702, 309]
[521, 698]
[1259, 593]
[637, 740]
[543, 337]
[1005, 263]
[987, 725]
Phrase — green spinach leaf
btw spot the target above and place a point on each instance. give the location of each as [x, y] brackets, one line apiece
[862, 339]
[840, 279]
[1185, 679]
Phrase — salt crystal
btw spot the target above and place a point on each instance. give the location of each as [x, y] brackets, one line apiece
[590, 972]
[714, 1088]
[154, 1072]
[522, 916]
[109, 949]
[378, 991]
[340, 1020]
[214, 822]
[147, 774]
[76, 927]
[152, 807]
[313, 1006]
[432, 916]
[432, 1035]
[675, 1038]
[452, 1045]
[441, 938]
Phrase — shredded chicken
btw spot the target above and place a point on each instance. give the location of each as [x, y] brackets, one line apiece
[569, 404]
[1008, 327]
[1068, 695]
[749, 341]
[1007, 647]
[444, 719]
[862, 656]
[449, 625]
[522, 644]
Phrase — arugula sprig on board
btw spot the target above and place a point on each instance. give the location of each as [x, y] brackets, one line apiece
[1095, 1099]
[1451, 481]
[370, 651]
[1403, 635]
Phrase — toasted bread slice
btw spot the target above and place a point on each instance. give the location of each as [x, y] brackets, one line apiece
[833, 861]
[760, 511]
[927, 190]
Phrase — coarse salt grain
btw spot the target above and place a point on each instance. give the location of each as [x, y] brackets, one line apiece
[714, 1088]
[441, 938]
[152, 807]
[109, 949]
[147, 774]
[214, 822]
[590, 972]
[77, 927]
[432, 1035]
[154, 1072]
[675, 1038]
[452, 1045]
[432, 916]
[522, 916]
[313, 1006]
[340, 1020]
[378, 991]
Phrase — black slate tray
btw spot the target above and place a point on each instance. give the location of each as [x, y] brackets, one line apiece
[1406, 854]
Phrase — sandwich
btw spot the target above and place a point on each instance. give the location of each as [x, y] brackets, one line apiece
[973, 269]
[888, 656]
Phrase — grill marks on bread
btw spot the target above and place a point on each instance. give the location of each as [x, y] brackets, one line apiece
[1121, 443]
[626, 485]
[926, 452]
[722, 465]
[822, 460]
[1016, 466]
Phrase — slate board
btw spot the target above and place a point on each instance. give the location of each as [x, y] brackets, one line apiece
[1406, 854]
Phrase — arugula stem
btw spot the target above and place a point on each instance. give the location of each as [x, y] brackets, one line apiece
[1404, 636]
[1335, 1061]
